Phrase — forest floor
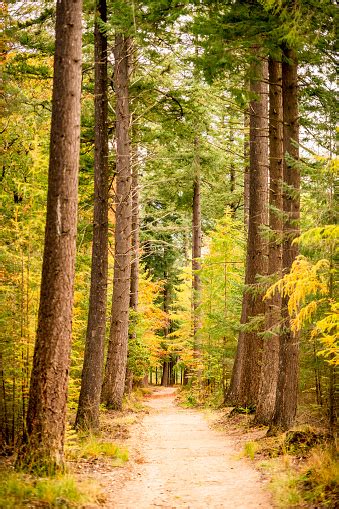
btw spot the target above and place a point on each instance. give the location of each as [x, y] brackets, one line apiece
[177, 460]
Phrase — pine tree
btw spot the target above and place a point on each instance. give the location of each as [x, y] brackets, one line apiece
[115, 370]
[89, 400]
[196, 246]
[270, 358]
[246, 373]
[43, 443]
[287, 388]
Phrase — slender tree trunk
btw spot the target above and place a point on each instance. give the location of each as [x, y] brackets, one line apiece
[287, 388]
[233, 204]
[43, 443]
[134, 290]
[4, 430]
[246, 372]
[196, 247]
[270, 360]
[246, 171]
[89, 401]
[114, 379]
[166, 302]
[134, 296]
[333, 398]
[317, 379]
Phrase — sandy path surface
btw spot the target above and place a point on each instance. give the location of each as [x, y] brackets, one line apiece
[180, 462]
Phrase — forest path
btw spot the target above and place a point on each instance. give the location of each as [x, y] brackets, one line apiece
[178, 461]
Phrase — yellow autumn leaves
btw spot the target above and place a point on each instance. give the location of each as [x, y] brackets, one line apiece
[310, 288]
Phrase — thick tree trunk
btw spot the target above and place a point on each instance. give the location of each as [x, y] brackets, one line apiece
[165, 374]
[196, 247]
[287, 388]
[270, 359]
[114, 379]
[89, 401]
[43, 444]
[246, 373]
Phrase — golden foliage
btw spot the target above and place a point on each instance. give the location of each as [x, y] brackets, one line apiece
[308, 289]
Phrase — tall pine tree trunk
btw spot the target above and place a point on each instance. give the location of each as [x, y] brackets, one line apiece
[89, 401]
[287, 388]
[196, 247]
[270, 359]
[166, 304]
[134, 297]
[114, 379]
[43, 446]
[246, 170]
[134, 290]
[246, 373]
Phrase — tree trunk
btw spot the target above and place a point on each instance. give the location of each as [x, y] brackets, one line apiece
[114, 379]
[270, 360]
[287, 388]
[43, 443]
[134, 289]
[246, 372]
[196, 247]
[89, 401]
[135, 231]
[165, 371]
[4, 429]
[246, 171]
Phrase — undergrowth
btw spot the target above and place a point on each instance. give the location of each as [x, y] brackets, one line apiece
[90, 447]
[303, 468]
[134, 402]
[19, 490]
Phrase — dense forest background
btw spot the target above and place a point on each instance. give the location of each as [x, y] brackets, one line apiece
[209, 131]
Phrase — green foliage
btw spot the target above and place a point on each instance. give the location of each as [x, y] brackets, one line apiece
[312, 484]
[18, 491]
[92, 447]
[250, 448]
[311, 292]
[221, 277]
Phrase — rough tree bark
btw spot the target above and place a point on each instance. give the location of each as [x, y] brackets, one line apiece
[239, 356]
[89, 400]
[134, 290]
[246, 372]
[165, 379]
[115, 371]
[196, 247]
[270, 358]
[43, 443]
[287, 388]
[134, 296]
[246, 171]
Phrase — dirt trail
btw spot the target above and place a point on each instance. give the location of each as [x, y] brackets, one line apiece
[179, 462]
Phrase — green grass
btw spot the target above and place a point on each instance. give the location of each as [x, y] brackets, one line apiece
[19, 490]
[310, 483]
[250, 449]
[92, 447]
